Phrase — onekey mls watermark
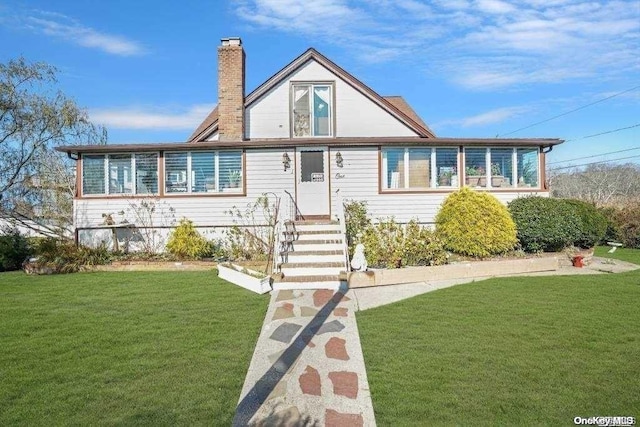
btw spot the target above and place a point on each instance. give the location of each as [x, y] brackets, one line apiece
[605, 421]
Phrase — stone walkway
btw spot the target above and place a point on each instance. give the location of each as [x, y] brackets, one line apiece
[307, 368]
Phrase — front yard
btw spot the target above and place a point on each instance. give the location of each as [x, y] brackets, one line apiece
[511, 351]
[160, 348]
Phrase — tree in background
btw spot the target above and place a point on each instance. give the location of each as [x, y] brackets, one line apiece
[600, 184]
[37, 184]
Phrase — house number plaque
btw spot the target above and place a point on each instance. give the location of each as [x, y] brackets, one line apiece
[317, 177]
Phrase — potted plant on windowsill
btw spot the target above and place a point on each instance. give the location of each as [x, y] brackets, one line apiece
[444, 180]
[496, 175]
[234, 178]
[475, 176]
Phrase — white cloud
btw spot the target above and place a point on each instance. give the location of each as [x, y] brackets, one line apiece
[60, 26]
[491, 117]
[479, 44]
[151, 118]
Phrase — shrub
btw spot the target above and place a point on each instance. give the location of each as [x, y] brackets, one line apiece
[356, 220]
[593, 225]
[627, 220]
[186, 243]
[612, 233]
[14, 250]
[57, 256]
[392, 245]
[545, 224]
[476, 224]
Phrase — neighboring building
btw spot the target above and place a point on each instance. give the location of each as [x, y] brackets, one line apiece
[311, 130]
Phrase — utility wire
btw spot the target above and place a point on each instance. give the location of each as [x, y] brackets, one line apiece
[595, 155]
[594, 163]
[571, 111]
[604, 133]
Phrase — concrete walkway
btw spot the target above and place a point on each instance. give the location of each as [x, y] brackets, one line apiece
[307, 368]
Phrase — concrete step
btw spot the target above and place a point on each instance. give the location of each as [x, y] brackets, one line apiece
[313, 256]
[312, 269]
[307, 282]
[313, 235]
[317, 245]
[316, 227]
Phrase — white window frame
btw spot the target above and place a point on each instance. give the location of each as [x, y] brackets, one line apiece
[216, 160]
[134, 190]
[514, 167]
[433, 173]
[311, 86]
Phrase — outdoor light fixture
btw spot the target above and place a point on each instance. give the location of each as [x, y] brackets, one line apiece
[286, 161]
[339, 159]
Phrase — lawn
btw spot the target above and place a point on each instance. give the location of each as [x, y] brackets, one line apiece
[157, 348]
[511, 351]
[623, 254]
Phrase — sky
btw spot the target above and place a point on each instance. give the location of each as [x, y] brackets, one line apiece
[146, 70]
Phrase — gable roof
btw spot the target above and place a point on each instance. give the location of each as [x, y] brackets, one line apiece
[396, 105]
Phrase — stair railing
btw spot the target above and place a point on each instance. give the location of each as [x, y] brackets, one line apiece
[272, 257]
[294, 212]
[343, 227]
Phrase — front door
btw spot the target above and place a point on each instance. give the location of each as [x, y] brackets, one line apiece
[312, 174]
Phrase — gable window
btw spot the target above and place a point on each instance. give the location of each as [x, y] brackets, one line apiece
[115, 174]
[203, 172]
[498, 168]
[312, 110]
[419, 168]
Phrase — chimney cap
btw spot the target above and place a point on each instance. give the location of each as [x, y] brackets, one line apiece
[231, 41]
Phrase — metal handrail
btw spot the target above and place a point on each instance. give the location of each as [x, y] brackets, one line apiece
[273, 255]
[294, 211]
[343, 227]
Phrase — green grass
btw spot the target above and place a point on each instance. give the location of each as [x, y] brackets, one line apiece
[623, 254]
[159, 348]
[512, 351]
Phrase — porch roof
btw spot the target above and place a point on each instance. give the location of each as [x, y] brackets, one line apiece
[331, 142]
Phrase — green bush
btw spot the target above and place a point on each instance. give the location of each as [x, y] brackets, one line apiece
[593, 224]
[612, 233]
[545, 224]
[186, 243]
[476, 224]
[627, 223]
[56, 256]
[392, 245]
[14, 250]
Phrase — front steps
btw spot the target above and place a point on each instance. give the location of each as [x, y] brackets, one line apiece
[311, 256]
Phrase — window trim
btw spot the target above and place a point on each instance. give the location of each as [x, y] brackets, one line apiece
[161, 182]
[106, 193]
[539, 187]
[432, 171]
[332, 107]
[242, 190]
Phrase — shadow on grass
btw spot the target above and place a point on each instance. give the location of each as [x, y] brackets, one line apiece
[248, 406]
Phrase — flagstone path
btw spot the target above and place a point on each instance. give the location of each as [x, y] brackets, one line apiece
[307, 368]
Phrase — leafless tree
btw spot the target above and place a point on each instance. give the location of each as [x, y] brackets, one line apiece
[601, 184]
[37, 182]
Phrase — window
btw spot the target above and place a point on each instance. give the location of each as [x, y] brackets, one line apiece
[114, 174]
[312, 113]
[527, 160]
[501, 167]
[419, 168]
[203, 172]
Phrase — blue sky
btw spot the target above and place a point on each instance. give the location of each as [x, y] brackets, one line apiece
[470, 68]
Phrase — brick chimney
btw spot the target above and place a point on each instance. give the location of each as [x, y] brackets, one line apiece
[231, 90]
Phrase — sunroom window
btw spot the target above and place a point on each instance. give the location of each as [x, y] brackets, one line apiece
[312, 113]
[415, 168]
[113, 174]
[498, 168]
[203, 172]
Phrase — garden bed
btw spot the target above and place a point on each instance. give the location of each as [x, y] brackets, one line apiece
[461, 270]
[243, 277]
[157, 266]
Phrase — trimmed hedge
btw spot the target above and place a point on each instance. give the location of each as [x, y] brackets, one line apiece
[476, 224]
[14, 250]
[546, 224]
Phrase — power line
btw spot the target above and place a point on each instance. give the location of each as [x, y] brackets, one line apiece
[595, 155]
[594, 163]
[605, 133]
[571, 111]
